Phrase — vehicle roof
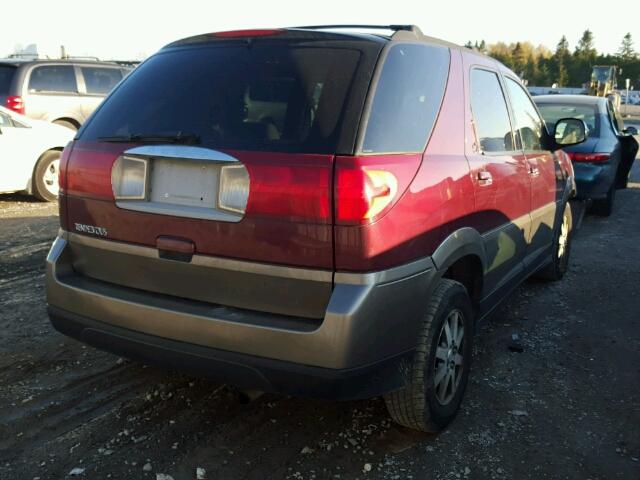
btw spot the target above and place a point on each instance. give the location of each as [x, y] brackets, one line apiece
[371, 33]
[571, 99]
[16, 62]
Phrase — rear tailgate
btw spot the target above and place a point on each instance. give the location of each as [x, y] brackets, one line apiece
[274, 110]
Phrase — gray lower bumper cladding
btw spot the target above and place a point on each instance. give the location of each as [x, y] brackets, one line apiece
[360, 348]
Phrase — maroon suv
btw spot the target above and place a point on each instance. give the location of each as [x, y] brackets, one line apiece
[311, 211]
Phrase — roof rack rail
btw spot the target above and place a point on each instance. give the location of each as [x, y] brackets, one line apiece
[33, 56]
[407, 28]
[81, 57]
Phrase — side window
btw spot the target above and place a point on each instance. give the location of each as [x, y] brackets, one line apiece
[616, 120]
[528, 123]
[100, 81]
[407, 99]
[53, 78]
[490, 113]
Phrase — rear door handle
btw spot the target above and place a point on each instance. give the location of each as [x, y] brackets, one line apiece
[534, 171]
[485, 178]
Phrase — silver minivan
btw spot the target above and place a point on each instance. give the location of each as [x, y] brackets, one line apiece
[64, 92]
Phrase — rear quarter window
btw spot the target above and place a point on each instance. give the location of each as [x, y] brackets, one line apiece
[100, 81]
[407, 99]
[6, 76]
[53, 79]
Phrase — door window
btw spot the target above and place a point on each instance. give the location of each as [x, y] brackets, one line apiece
[490, 114]
[54, 79]
[616, 119]
[529, 125]
[100, 81]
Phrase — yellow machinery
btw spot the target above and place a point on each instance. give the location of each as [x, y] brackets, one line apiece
[604, 81]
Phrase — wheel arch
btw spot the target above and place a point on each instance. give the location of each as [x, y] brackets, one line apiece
[67, 118]
[462, 257]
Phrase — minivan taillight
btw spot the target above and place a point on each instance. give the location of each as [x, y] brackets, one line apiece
[15, 103]
[589, 157]
[366, 187]
[295, 192]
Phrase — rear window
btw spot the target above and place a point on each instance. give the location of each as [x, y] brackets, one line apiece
[259, 97]
[6, 76]
[53, 79]
[552, 112]
[100, 81]
[407, 99]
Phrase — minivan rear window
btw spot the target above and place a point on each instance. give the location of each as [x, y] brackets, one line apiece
[276, 97]
[6, 76]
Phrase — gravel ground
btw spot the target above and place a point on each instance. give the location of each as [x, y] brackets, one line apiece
[568, 406]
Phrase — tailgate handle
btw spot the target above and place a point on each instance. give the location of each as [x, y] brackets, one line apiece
[175, 248]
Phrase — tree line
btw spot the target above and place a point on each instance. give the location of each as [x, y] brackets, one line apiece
[540, 66]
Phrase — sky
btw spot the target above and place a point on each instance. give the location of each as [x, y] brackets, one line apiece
[134, 29]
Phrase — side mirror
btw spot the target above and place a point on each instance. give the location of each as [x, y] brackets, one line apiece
[570, 131]
[631, 131]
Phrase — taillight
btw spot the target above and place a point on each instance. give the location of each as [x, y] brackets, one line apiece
[589, 157]
[233, 190]
[366, 187]
[15, 103]
[64, 161]
[62, 180]
[129, 178]
[295, 192]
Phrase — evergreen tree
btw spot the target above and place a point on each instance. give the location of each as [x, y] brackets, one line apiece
[561, 59]
[585, 48]
[626, 51]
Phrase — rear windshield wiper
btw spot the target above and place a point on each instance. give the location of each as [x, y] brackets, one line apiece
[179, 137]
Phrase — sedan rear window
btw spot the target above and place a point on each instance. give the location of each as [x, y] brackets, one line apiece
[6, 76]
[552, 112]
[275, 97]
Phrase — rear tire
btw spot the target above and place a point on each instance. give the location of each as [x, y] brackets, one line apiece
[604, 207]
[45, 176]
[438, 375]
[559, 264]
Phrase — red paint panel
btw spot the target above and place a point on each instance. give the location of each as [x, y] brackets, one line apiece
[438, 198]
[89, 168]
[288, 219]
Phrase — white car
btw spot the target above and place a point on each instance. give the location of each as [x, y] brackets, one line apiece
[30, 155]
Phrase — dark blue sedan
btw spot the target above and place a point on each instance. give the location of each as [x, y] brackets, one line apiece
[602, 163]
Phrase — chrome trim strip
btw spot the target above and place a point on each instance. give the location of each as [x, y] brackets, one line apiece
[207, 261]
[181, 151]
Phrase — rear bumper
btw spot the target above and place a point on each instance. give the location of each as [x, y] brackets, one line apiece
[360, 348]
[244, 371]
[593, 180]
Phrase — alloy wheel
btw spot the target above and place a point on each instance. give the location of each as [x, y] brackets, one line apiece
[50, 177]
[449, 360]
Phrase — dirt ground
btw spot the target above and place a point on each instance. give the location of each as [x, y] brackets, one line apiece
[568, 406]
